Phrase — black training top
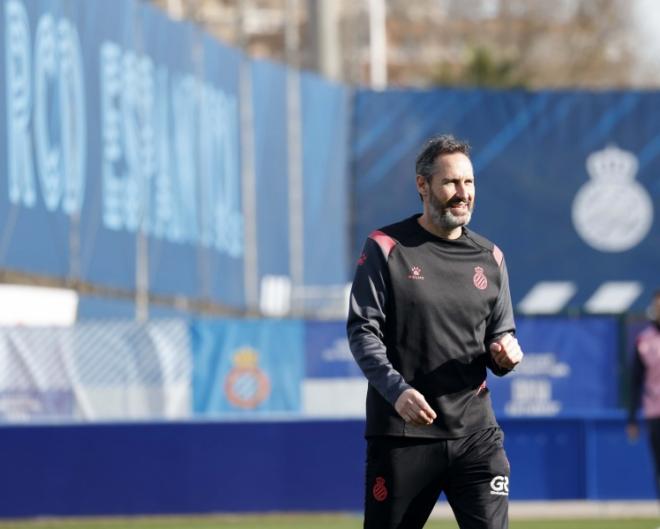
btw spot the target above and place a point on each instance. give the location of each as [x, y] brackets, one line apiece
[422, 312]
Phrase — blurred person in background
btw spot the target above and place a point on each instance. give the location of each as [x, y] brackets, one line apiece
[645, 384]
[430, 311]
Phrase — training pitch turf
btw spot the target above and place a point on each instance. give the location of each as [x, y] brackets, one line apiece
[299, 522]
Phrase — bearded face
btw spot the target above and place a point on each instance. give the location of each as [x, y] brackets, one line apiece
[448, 194]
[450, 213]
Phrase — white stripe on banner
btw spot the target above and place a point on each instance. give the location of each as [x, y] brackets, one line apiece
[547, 297]
[614, 297]
[334, 397]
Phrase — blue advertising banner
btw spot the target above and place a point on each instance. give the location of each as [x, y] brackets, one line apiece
[197, 248]
[327, 352]
[567, 184]
[42, 134]
[325, 109]
[334, 385]
[168, 154]
[571, 366]
[247, 367]
[115, 122]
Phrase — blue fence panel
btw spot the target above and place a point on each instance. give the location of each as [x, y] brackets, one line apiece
[271, 167]
[221, 190]
[325, 108]
[111, 210]
[196, 242]
[42, 133]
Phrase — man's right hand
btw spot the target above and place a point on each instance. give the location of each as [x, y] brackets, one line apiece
[414, 409]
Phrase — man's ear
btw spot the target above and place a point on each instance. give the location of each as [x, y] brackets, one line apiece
[422, 185]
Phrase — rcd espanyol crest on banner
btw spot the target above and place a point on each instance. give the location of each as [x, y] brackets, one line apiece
[612, 212]
[246, 385]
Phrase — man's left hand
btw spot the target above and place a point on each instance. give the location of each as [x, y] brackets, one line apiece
[506, 352]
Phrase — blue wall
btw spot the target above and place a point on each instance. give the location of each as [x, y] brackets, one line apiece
[280, 466]
[180, 468]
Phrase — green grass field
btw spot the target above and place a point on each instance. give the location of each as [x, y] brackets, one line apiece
[299, 522]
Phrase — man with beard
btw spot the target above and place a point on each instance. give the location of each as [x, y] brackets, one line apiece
[430, 312]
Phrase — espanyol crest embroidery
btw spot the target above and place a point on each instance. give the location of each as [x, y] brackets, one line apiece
[379, 489]
[479, 278]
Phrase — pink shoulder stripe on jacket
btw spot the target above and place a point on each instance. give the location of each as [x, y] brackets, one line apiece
[383, 240]
[498, 255]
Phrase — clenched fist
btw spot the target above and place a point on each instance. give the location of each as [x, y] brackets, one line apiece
[506, 352]
[414, 409]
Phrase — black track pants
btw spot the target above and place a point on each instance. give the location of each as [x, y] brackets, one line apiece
[405, 476]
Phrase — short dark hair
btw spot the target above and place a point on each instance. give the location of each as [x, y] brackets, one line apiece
[434, 147]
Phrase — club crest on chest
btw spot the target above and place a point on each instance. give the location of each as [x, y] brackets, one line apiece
[479, 278]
